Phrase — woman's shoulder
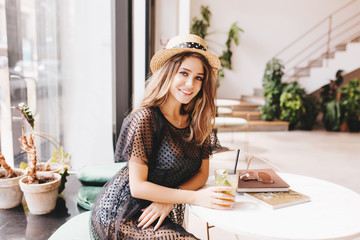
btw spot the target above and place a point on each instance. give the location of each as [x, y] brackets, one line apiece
[144, 112]
[144, 115]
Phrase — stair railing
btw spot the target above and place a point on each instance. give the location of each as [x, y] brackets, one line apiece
[325, 43]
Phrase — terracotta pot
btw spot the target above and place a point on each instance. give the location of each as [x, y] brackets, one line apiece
[41, 198]
[10, 193]
[343, 127]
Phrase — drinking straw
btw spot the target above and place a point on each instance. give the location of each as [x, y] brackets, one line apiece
[237, 160]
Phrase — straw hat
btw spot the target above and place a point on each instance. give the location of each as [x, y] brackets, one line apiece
[183, 43]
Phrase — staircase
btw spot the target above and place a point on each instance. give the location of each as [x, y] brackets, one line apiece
[312, 60]
[330, 45]
[319, 72]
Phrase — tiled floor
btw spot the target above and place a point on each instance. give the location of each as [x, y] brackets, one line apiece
[331, 156]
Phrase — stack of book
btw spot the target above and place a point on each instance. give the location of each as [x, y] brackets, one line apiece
[275, 195]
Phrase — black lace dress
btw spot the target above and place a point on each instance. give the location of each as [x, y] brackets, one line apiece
[147, 136]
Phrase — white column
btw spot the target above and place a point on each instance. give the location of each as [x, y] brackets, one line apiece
[139, 74]
[5, 118]
[184, 16]
[85, 28]
[166, 21]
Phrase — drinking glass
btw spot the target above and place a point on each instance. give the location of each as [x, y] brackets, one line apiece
[226, 177]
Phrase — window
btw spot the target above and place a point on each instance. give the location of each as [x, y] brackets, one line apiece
[56, 57]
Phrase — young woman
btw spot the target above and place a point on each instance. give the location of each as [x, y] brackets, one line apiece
[167, 143]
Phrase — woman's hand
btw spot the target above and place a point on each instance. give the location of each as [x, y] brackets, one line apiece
[154, 211]
[213, 197]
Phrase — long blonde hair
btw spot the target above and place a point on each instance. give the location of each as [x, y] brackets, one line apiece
[201, 108]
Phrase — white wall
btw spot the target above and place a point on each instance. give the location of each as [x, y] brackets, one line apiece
[269, 26]
[172, 17]
[85, 29]
[166, 22]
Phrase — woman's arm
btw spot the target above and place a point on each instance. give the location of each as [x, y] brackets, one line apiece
[199, 179]
[163, 197]
[143, 189]
[209, 197]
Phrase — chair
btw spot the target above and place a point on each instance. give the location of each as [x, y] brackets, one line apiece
[93, 178]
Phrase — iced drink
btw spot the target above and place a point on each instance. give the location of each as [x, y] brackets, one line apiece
[225, 177]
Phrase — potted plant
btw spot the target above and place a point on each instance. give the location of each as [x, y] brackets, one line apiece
[40, 188]
[10, 193]
[350, 104]
[312, 109]
[59, 161]
[292, 105]
[330, 104]
[272, 89]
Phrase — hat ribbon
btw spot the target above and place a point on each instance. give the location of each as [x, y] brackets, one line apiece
[193, 45]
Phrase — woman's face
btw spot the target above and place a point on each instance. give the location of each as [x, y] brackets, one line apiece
[187, 82]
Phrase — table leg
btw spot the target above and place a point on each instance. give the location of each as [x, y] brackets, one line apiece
[207, 230]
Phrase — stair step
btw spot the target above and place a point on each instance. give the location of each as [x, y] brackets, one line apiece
[297, 75]
[341, 47]
[259, 92]
[253, 115]
[316, 63]
[253, 99]
[294, 77]
[246, 106]
[260, 125]
[331, 55]
[303, 71]
[357, 39]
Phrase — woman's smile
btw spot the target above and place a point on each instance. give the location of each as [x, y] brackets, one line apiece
[186, 92]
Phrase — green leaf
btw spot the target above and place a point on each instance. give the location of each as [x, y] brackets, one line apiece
[64, 175]
[200, 26]
[234, 33]
[272, 89]
[291, 103]
[206, 14]
[225, 59]
[350, 100]
[27, 113]
[332, 115]
[227, 183]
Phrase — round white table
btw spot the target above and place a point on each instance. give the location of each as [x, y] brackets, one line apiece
[333, 213]
[230, 122]
[226, 102]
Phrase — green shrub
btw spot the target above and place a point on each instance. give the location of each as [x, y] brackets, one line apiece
[312, 109]
[272, 89]
[331, 115]
[350, 104]
[292, 104]
[330, 107]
